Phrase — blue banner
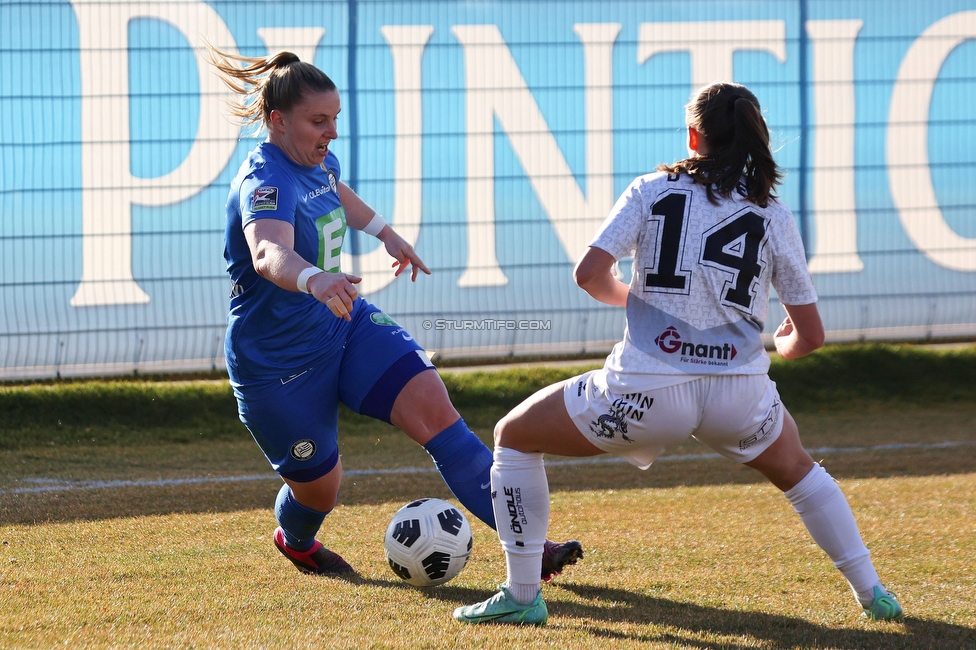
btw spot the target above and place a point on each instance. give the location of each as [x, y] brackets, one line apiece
[494, 135]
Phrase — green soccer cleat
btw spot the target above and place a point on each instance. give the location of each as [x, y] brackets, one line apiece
[501, 608]
[884, 607]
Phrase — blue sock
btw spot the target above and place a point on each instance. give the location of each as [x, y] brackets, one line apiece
[299, 523]
[465, 464]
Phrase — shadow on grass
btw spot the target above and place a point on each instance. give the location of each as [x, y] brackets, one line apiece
[770, 631]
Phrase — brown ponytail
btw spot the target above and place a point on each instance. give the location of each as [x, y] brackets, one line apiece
[277, 82]
[730, 120]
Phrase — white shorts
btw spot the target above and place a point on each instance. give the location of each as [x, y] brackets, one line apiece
[739, 416]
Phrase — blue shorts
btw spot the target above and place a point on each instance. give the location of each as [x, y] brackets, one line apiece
[295, 419]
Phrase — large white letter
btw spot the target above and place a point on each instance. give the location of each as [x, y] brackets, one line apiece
[712, 44]
[908, 153]
[300, 41]
[108, 187]
[834, 214]
[407, 44]
[496, 88]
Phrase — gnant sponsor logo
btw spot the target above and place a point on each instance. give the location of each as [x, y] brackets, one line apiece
[516, 513]
[303, 449]
[700, 353]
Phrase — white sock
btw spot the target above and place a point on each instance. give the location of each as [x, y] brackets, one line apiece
[827, 516]
[520, 499]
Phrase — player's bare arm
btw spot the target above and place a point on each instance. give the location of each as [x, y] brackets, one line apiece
[359, 215]
[800, 333]
[594, 274]
[271, 242]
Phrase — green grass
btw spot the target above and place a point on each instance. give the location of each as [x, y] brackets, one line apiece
[722, 566]
[136, 411]
[694, 553]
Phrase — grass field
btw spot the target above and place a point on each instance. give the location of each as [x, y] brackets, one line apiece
[138, 514]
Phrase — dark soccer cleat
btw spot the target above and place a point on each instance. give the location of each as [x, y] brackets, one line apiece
[557, 556]
[318, 560]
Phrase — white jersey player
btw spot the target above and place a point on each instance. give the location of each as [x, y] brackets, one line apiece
[709, 239]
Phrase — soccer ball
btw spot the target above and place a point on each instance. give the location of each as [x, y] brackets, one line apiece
[428, 542]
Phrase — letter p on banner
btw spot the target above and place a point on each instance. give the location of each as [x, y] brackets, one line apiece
[108, 187]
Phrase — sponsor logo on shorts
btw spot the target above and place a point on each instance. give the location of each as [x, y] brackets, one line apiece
[698, 353]
[764, 431]
[303, 449]
[380, 318]
[264, 198]
[291, 378]
[628, 407]
[609, 425]
[402, 332]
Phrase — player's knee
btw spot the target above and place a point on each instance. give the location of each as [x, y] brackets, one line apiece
[319, 498]
[506, 432]
[499, 429]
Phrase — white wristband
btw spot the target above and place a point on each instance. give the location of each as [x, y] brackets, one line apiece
[304, 276]
[375, 225]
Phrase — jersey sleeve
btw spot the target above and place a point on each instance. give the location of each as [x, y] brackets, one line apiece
[267, 195]
[790, 276]
[620, 230]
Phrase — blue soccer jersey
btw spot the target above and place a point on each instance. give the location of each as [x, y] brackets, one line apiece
[272, 332]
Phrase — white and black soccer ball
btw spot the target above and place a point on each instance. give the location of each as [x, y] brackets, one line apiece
[428, 542]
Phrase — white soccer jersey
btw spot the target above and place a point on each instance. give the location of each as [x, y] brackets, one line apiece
[700, 289]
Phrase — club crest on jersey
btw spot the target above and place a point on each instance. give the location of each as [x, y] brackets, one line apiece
[333, 181]
[264, 198]
[303, 449]
[670, 342]
[380, 318]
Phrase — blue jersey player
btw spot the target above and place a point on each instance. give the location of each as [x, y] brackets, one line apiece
[300, 339]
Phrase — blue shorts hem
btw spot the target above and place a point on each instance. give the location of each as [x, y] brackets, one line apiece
[309, 474]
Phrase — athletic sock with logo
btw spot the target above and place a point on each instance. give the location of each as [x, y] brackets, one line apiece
[827, 516]
[465, 465]
[520, 496]
[298, 523]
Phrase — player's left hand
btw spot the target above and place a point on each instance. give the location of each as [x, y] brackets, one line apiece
[403, 253]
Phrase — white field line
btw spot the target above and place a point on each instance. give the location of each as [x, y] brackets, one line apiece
[67, 485]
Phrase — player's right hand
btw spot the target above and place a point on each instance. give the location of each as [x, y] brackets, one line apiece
[337, 291]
